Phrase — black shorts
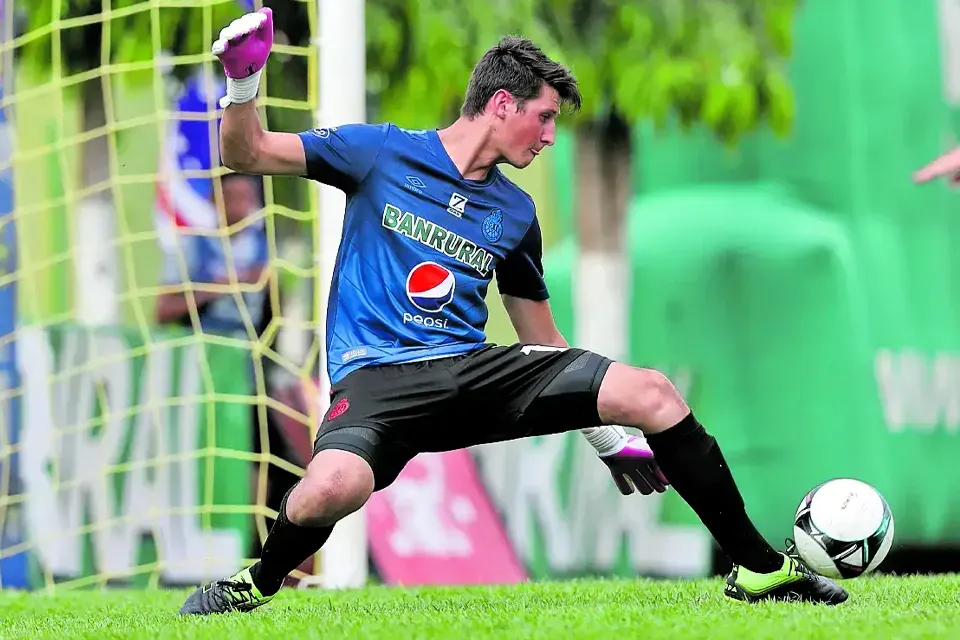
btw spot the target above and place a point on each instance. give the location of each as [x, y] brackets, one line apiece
[388, 414]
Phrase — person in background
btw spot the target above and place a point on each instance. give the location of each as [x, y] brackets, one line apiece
[239, 253]
[203, 259]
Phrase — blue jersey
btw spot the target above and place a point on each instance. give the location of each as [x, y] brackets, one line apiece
[420, 245]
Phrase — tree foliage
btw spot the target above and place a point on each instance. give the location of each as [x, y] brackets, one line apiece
[716, 62]
[128, 34]
[84, 34]
[66, 40]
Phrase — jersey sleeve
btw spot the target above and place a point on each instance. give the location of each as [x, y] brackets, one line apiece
[343, 156]
[520, 274]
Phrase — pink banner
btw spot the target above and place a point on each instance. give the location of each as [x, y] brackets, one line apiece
[436, 525]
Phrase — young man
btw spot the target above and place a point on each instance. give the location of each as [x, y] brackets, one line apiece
[430, 220]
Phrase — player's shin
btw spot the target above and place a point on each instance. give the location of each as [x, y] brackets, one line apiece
[286, 546]
[693, 463]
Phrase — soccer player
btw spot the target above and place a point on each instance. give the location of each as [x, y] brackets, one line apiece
[430, 220]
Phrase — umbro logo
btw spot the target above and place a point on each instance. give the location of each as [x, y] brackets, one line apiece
[458, 205]
[415, 184]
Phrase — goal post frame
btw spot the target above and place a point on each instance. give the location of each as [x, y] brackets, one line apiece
[340, 40]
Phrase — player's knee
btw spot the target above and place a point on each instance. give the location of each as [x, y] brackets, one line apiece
[336, 484]
[642, 398]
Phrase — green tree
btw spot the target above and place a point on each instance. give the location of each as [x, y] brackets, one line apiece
[716, 62]
[712, 63]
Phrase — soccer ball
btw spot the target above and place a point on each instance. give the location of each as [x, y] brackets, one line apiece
[843, 529]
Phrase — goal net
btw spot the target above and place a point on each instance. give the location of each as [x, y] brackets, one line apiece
[159, 350]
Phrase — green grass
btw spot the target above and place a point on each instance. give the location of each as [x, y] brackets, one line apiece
[880, 607]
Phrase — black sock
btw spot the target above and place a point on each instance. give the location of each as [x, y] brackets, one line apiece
[286, 546]
[693, 463]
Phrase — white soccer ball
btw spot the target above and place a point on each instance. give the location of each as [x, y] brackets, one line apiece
[843, 529]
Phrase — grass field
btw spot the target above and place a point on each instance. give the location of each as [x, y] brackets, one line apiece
[879, 608]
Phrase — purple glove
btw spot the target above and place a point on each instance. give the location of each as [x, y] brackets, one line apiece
[244, 45]
[635, 466]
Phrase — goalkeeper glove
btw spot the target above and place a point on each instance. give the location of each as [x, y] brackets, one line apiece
[629, 459]
[243, 48]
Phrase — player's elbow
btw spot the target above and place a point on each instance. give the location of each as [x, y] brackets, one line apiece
[241, 153]
[263, 153]
[239, 160]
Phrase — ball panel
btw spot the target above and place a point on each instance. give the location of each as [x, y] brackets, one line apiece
[847, 510]
[814, 555]
[845, 558]
[879, 553]
[805, 503]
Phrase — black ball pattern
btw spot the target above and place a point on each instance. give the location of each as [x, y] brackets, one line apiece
[850, 557]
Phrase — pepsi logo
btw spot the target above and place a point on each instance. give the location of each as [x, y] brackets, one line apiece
[430, 286]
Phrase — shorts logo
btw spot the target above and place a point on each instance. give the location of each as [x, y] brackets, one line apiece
[492, 225]
[430, 286]
[338, 409]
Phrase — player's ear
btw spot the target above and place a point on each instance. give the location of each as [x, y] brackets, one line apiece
[501, 101]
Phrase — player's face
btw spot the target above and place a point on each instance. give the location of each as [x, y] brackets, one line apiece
[527, 131]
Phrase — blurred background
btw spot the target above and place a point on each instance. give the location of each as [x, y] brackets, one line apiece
[733, 206]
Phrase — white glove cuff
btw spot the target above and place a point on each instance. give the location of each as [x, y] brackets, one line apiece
[607, 440]
[241, 90]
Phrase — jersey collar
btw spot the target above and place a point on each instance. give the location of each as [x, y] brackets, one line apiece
[447, 163]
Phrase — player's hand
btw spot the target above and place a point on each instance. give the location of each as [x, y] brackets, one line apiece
[635, 467]
[946, 165]
[244, 45]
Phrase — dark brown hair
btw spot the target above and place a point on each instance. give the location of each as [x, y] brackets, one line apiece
[517, 65]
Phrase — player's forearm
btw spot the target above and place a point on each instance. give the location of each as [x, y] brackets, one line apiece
[172, 307]
[546, 337]
[555, 340]
[241, 137]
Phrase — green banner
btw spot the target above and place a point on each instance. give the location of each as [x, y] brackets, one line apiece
[561, 509]
[565, 517]
[765, 307]
[770, 319]
[820, 321]
[814, 325]
[132, 455]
